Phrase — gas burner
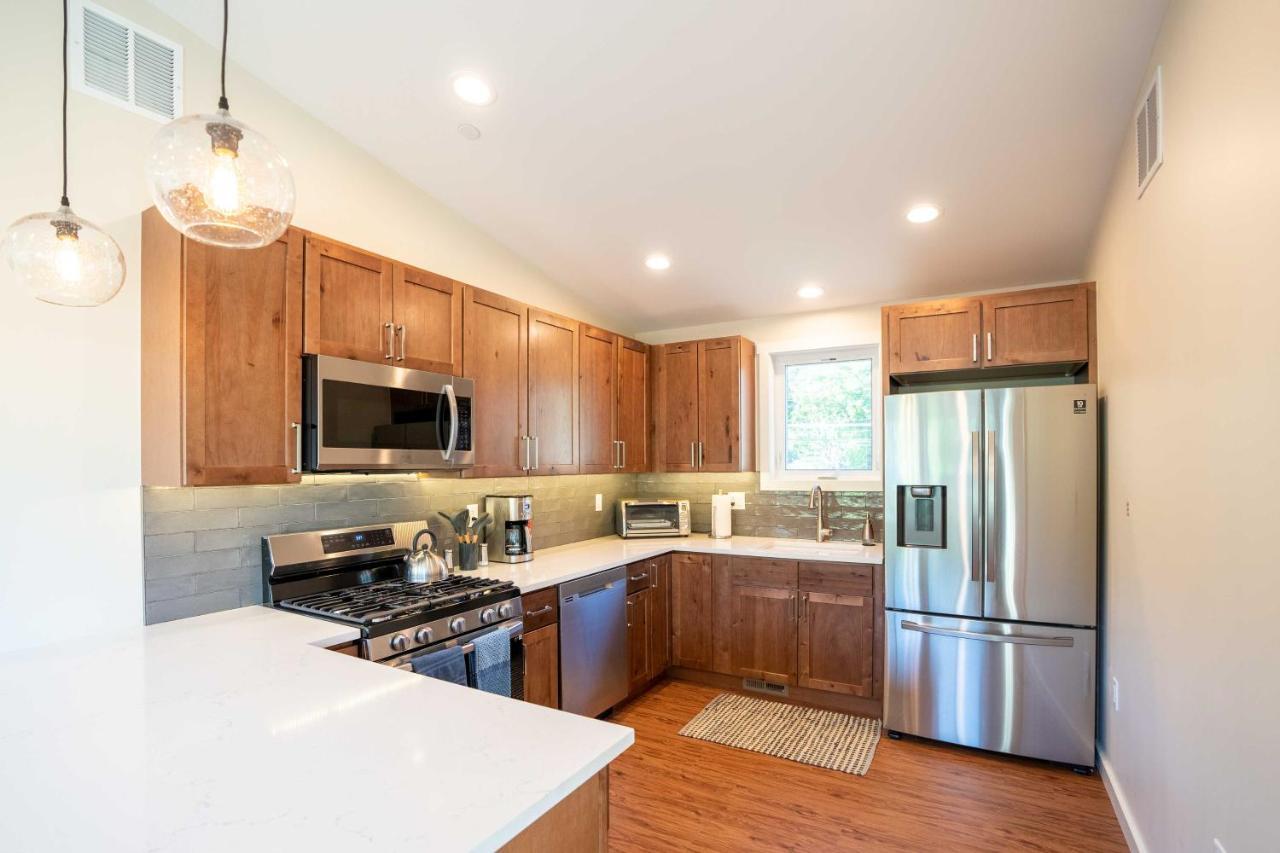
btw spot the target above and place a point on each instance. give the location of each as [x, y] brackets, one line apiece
[385, 600]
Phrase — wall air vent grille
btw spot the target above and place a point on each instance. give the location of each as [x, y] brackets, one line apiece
[116, 61]
[1149, 130]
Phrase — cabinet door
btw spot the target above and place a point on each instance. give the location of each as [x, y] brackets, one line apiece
[691, 611]
[542, 666]
[638, 640]
[428, 318]
[243, 342]
[930, 336]
[553, 393]
[837, 643]
[597, 356]
[678, 377]
[660, 616]
[633, 404]
[719, 413]
[1042, 326]
[349, 303]
[495, 354]
[763, 633]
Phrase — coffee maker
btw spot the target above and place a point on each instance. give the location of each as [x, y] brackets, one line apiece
[510, 536]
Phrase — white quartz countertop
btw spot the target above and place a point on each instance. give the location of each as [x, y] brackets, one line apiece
[558, 565]
[238, 731]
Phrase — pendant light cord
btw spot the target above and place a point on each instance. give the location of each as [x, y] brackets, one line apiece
[222, 101]
[65, 201]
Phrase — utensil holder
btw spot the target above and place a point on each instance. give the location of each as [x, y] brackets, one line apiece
[468, 556]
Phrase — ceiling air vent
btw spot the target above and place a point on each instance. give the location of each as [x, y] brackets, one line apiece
[1149, 127]
[117, 61]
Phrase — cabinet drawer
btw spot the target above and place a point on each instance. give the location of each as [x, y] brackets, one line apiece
[761, 571]
[640, 575]
[541, 608]
[838, 578]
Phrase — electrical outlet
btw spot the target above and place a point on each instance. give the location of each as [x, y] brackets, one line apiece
[737, 500]
[1128, 510]
[1115, 693]
[599, 503]
[1217, 847]
[473, 512]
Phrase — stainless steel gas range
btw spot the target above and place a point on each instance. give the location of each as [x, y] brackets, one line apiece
[354, 576]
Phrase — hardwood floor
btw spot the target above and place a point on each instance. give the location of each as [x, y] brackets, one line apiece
[674, 793]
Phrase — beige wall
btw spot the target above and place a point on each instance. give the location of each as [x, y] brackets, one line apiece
[1189, 293]
[71, 502]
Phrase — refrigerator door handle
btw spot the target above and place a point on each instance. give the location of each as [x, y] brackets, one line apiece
[975, 512]
[991, 557]
[1018, 639]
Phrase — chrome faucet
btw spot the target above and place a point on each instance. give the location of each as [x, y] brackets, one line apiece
[815, 502]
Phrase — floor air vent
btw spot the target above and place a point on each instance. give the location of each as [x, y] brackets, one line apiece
[118, 62]
[1149, 129]
[758, 686]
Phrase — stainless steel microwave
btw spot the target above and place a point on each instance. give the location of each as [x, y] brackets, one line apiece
[359, 416]
[639, 518]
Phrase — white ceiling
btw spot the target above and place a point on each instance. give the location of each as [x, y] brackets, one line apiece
[761, 144]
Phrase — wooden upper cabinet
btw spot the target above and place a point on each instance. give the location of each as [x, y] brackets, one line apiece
[632, 408]
[221, 370]
[597, 413]
[763, 636]
[837, 634]
[691, 611]
[495, 354]
[1043, 326]
[553, 393]
[427, 311]
[704, 411]
[928, 336]
[349, 303]
[678, 387]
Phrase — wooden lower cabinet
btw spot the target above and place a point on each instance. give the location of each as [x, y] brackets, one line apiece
[763, 633]
[660, 616]
[638, 640]
[579, 822]
[837, 634]
[542, 666]
[691, 611]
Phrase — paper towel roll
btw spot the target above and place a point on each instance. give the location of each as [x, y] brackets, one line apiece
[721, 517]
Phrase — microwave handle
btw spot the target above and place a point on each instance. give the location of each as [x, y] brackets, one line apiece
[453, 421]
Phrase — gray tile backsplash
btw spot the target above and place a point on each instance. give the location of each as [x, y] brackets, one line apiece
[202, 547]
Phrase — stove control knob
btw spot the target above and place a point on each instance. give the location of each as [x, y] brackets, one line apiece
[505, 611]
[488, 615]
[399, 643]
[423, 636]
[457, 624]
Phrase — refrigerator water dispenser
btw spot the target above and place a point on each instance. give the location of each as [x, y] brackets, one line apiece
[922, 511]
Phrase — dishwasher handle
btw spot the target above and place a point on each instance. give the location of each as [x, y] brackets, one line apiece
[580, 595]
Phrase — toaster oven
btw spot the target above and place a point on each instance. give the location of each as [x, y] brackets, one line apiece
[638, 518]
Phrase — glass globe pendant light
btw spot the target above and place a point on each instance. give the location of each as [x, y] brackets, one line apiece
[62, 258]
[219, 181]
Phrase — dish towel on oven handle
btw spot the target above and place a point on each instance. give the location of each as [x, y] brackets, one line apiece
[447, 665]
[491, 668]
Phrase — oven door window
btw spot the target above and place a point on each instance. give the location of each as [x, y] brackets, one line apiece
[653, 517]
[381, 418]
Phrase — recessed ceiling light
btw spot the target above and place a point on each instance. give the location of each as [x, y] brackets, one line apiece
[474, 90]
[657, 262]
[923, 213]
[469, 132]
[810, 291]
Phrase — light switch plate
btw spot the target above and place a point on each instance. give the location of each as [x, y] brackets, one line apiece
[473, 512]
[737, 500]
[599, 502]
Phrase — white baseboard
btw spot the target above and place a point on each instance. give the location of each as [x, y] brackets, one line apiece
[1130, 829]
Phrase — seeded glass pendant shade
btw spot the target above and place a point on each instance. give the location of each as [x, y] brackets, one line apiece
[61, 258]
[217, 180]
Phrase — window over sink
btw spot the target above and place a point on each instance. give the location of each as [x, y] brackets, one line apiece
[824, 420]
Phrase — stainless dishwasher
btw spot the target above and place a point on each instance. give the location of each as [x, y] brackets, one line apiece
[593, 642]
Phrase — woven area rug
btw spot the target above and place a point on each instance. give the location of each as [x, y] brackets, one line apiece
[811, 736]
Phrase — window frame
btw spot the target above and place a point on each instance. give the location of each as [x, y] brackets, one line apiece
[773, 474]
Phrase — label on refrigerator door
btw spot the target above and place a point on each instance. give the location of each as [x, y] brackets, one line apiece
[1080, 407]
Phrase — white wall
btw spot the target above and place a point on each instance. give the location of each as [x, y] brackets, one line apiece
[1189, 294]
[70, 514]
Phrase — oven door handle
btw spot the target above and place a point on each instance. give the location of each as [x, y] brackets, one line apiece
[453, 422]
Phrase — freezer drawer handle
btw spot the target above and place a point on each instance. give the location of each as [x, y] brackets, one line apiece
[1023, 640]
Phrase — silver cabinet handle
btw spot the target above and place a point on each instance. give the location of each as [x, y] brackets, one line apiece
[1019, 639]
[617, 454]
[638, 577]
[989, 558]
[623, 444]
[402, 333]
[701, 449]
[453, 418]
[536, 451]
[975, 347]
[693, 454]
[989, 355]
[547, 609]
[297, 448]
[390, 329]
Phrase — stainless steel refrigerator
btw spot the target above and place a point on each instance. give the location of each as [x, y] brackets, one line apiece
[991, 576]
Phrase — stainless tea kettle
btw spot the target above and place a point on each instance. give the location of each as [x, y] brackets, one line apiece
[422, 565]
